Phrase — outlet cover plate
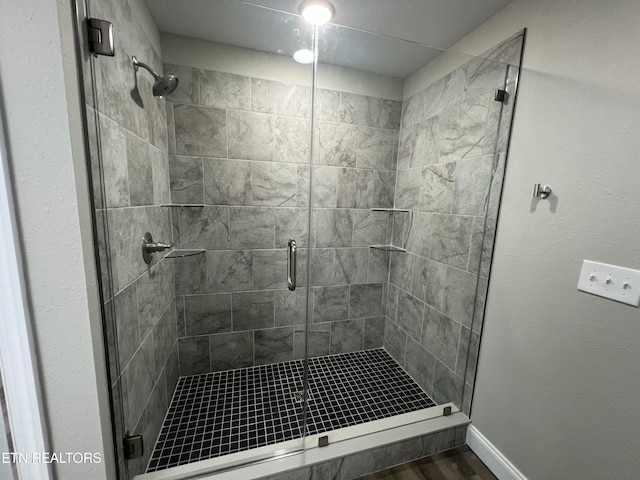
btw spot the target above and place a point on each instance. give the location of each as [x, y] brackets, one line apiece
[610, 281]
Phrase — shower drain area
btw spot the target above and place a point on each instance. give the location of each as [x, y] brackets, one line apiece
[226, 412]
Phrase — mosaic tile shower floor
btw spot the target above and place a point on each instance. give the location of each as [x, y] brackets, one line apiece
[226, 412]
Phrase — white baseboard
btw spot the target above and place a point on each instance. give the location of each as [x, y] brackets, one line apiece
[491, 456]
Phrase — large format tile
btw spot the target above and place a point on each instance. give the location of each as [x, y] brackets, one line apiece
[370, 228]
[451, 239]
[410, 312]
[351, 266]
[126, 325]
[436, 193]
[472, 182]
[370, 111]
[186, 181]
[193, 355]
[115, 169]
[228, 271]
[224, 90]
[429, 281]
[274, 184]
[355, 188]
[139, 155]
[459, 295]
[378, 268]
[293, 137]
[291, 224]
[319, 336]
[334, 228]
[272, 97]
[189, 87]
[441, 336]
[269, 269]
[365, 300]
[202, 227]
[420, 364]
[207, 314]
[373, 332]
[252, 227]
[251, 135]
[347, 336]
[401, 269]
[330, 303]
[377, 148]
[155, 291]
[447, 386]
[191, 274]
[336, 144]
[227, 182]
[231, 350]
[290, 307]
[200, 131]
[253, 310]
[273, 345]
[395, 340]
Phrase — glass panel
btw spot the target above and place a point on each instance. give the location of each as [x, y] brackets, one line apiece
[401, 179]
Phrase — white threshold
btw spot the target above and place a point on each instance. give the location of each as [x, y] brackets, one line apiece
[493, 458]
[291, 455]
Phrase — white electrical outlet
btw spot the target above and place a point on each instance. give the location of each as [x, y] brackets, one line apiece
[610, 281]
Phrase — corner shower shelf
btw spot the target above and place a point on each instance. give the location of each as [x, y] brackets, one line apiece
[182, 205]
[184, 253]
[391, 210]
[388, 248]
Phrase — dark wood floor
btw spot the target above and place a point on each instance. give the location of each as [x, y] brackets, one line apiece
[459, 463]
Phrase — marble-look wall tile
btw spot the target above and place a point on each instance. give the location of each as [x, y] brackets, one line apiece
[115, 169]
[484, 233]
[227, 182]
[231, 350]
[325, 189]
[327, 104]
[290, 307]
[355, 188]
[137, 383]
[447, 386]
[472, 182]
[252, 227]
[202, 227]
[188, 89]
[384, 188]
[273, 345]
[437, 189]
[373, 332]
[347, 336]
[160, 176]
[336, 144]
[164, 338]
[377, 148]
[292, 140]
[370, 111]
[429, 281]
[126, 326]
[201, 131]
[274, 184]
[401, 270]
[224, 90]
[334, 228]
[191, 274]
[186, 179]
[395, 340]
[291, 223]
[378, 268]
[351, 266]
[139, 155]
[369, 227]
[155, 291]
[451, 239]
[410, 313]
[330, 303]
[459, 295]
[278, 98]
[253, 310]
[269, 269]
[228, 271]
[251, 135]
[391, 309]
[408, 187]
[322, 266]
[193, 355]
[420, 364]
[171, 130]
[207, 314]
[422, 235]
[365, 300]
[319, 336]
[441, 336]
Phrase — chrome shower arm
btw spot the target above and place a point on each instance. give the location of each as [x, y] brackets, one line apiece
[137, 64]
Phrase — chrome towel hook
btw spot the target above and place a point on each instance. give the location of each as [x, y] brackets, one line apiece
[542, 191]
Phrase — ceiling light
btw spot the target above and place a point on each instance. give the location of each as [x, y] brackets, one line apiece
[317, 12]
[304, 56]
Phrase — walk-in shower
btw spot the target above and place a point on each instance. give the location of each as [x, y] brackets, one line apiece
[382, 159]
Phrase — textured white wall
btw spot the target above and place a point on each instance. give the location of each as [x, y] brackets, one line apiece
[43, 128]
[559, 372]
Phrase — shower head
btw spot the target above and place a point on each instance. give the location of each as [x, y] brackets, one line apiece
[163, 85]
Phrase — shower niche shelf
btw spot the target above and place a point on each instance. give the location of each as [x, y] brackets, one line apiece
[182, 205]
[391, 210]
[185, 253]
[387, 248]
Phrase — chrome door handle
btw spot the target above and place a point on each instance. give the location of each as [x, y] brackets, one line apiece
[291, 264]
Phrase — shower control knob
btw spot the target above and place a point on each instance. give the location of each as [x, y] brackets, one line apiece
[149, 247]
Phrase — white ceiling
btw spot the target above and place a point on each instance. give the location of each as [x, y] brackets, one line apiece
[438, 23]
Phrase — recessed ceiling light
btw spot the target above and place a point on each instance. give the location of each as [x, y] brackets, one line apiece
[317, 12]
[304, 56]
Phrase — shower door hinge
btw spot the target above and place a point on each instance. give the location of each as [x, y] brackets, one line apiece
[100, 34]
[446, 411]
[133, 447]
[501, 95]
[323, 441]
